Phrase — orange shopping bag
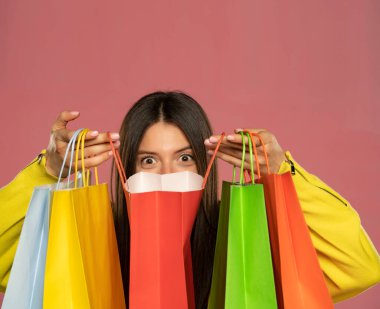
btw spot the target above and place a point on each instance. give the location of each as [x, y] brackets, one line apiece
[162, 210]
[299, 279]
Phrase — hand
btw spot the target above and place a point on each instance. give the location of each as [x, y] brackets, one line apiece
[97, 148]
[230, 150]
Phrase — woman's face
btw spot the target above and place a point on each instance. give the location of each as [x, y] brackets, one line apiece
[165, 149]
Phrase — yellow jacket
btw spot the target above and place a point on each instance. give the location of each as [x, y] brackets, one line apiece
[349, 260]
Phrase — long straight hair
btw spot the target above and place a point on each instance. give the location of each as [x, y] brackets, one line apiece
[183, 111]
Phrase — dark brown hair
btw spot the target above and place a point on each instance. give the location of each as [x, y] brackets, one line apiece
[183, 111]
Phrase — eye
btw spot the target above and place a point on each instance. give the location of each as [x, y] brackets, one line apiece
[148, 161]
[186, 157]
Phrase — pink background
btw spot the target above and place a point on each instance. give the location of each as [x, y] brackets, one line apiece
[306, 70]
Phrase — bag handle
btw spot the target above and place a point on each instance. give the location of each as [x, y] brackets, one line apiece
[244, 176]
[251, 135]
[118, 163]
[241, 181]
[76, 141]
[120, 168]
[78, 147]
[85, 176]
[212, 160]
[69, 147]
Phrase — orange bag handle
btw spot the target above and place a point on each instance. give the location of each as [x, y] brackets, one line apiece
[212, 160]
[120, 168]
[252, 134]
[118, 162]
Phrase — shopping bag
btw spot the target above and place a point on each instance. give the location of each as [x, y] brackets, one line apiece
[162, 210]
[242, 273]
[82, 262]
[25, 285]
[26, 281]
[299, 279]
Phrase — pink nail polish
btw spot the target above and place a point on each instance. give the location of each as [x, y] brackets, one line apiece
[94, 133]
[213, 139]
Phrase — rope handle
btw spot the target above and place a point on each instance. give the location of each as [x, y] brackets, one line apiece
[212, 160]
[252, 145]
[85, 174]
[70, 146]
[245, 177]
[244, 174]
[252, 134]
[119, 163]
[80, 146]
[77, 143]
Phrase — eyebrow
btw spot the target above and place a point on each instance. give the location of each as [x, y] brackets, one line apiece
[155, 153]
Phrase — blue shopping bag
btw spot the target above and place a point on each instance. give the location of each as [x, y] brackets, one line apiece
[25, 285]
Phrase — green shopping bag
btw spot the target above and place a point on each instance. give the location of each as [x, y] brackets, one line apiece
[243, 273]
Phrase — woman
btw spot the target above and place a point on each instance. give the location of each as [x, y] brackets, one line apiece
[166, 132]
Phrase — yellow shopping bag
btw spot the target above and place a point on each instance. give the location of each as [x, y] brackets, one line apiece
[82, 263]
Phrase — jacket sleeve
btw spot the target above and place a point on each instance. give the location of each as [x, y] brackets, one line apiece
[14, 201]
[348, 258]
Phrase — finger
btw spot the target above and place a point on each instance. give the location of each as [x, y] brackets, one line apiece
[238, 154]
[102, 138]
[233, 138]
[95, 150]
[236, 147]
[63, 119]
[64, 135]
[95, 161]
[250, 130]
[235, 141]
[225, 143]
[230, 159]
[237, 138]
[90, 152]
[213, 140]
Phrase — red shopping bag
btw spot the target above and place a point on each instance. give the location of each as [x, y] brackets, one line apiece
[299, 279]
[161, 222]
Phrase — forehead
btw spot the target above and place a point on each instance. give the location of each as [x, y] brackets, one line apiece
[163, 136]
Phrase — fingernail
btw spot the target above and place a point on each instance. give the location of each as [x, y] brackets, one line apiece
[110, 153]
[210, 151]
[94, 133]
[238, 130]
[207, 142]
[115, 136]
[213, 139]
[230, 137]
[117, 143]
[74, 113]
